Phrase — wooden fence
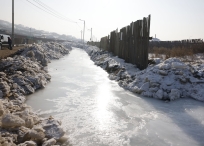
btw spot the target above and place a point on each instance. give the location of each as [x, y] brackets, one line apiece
[94, 43]
[189, 43]
[131, 43]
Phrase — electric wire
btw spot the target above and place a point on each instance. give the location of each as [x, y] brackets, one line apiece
[53, 11]
[79, 26]
[41, 9]
[47, 11]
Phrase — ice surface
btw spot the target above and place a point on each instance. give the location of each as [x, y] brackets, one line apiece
[96, 111]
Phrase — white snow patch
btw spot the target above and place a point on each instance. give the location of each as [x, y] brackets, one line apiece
[168, 79]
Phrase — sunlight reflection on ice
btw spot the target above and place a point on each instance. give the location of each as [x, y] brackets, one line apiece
[103, 97]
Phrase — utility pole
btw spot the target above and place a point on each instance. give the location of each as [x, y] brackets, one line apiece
[91, 34]
[12, 22]
[81, 35]
[30, 34]
[84, 31]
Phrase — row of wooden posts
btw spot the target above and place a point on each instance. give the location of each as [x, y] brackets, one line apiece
[131, 43]
[189, 43]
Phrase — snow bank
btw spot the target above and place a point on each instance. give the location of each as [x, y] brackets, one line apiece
[166, 80]
[19, 76]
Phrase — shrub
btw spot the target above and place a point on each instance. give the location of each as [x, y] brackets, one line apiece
[178, 51]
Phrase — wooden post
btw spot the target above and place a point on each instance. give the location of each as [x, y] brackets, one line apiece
[120, 43]
[140, 43]
[117, 43]
[137, 39]
[128, 44]
[144, 49]
[131, 43]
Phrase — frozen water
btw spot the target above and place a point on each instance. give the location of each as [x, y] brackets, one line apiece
[96, 111]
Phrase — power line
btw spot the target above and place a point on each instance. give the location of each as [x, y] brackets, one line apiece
[79, 26]
[46, 8]
[42, 9]
[53, 11]
[46, 11]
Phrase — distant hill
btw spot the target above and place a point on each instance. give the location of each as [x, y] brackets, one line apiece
[24, 30]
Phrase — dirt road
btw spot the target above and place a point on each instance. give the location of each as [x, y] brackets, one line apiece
[5, 52]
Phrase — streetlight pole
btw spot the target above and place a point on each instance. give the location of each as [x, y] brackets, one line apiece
[12, 22]
[91, 35]
[81, 35]
[30, 36]
[83, 32]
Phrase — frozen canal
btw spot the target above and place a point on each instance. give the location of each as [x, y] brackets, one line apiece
[96, 111]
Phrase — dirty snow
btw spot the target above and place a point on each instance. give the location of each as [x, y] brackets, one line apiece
[168, 79]
[21, 75]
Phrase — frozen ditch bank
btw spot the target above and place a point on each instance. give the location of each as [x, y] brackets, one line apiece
[19, 76]
[164, 79]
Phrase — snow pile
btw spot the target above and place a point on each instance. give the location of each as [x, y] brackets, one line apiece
[19, 76]
[75, 44]
[166, 80]
[46, 52]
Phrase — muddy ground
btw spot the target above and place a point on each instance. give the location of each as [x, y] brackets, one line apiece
[5, 52]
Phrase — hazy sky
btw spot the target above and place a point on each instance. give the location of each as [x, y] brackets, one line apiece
[170, 19]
